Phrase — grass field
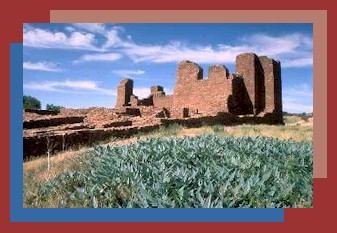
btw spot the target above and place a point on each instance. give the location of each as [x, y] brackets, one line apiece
[237, 166]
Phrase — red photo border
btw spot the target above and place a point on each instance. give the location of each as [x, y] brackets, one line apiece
[15, 13]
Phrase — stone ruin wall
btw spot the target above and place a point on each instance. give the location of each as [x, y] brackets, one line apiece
[160, 99]
[163, 101]
[252, 95]
[209, 95]
[254, 90]
[262, 79]
[273, 87]
[125, 91]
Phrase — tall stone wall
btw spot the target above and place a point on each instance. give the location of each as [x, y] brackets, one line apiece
[124, 92]
[273, 87]
[239, 102]
[249, 68]
[204, 95]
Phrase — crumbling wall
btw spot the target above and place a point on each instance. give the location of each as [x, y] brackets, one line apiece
[248, 66]
[157, 90]
[52, 121]
[97, 117]
[163, 101]
[73, 112]
[40, 111]
[239, 101]
[124, 92]
[179, 113]
[273, 87]
[255, 89]
[37, 145]
[159, 98]
[204, 95]
[214, 119]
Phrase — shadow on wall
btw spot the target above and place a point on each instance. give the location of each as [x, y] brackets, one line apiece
[239, 102]
[260, 101]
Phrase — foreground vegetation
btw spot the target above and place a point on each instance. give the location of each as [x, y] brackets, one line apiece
[211, 170]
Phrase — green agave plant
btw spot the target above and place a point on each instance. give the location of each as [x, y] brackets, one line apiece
[191, 172]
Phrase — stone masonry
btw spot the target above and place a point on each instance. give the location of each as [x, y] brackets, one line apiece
[124, 89]
[251, 95]
[253, 91]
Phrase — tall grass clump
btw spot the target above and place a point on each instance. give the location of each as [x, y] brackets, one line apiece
[202, 171]
[218, 128]
[170, 130]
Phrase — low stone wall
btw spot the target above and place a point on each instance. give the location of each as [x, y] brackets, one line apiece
[221, 118]
[268, 118]
[38, 145]
[40, 112]
[74, 111]
[117, 124]
[52, 121]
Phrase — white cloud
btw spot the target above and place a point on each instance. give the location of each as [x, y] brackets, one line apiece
[43, 66]
[303, 91]
[68, 86]
[294, 50]
[129, 72]
[168, 91]
[142, 92]
[40, 38]
[106, 57]
[272, 45]
[298, 99]
[296, 107]
[91, 27]
[69, 29]
[299, 62]
[175, 52]
[111, 33]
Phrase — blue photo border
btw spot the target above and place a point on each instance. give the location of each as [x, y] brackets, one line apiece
[20, 214]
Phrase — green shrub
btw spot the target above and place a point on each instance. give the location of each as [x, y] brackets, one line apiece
[203, 171]
[30, 102]
[218, 128]
[55, 108]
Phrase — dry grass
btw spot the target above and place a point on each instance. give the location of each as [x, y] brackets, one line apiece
[287, 132]
[190, 132]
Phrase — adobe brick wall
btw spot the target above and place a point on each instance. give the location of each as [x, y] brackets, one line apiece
[219, 118]
[249, 68]
[73, 111]
[134, 102]
[124, 92]
[273, 87]
[255, 89]
[156, 89]
[206, 95]
[52, 121]
[163, 101]
[37, 145]
[40, 111]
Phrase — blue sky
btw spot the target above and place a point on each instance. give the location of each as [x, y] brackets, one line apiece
[80, 65]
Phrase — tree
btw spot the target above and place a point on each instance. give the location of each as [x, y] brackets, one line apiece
[30, 102]
[55, 108]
